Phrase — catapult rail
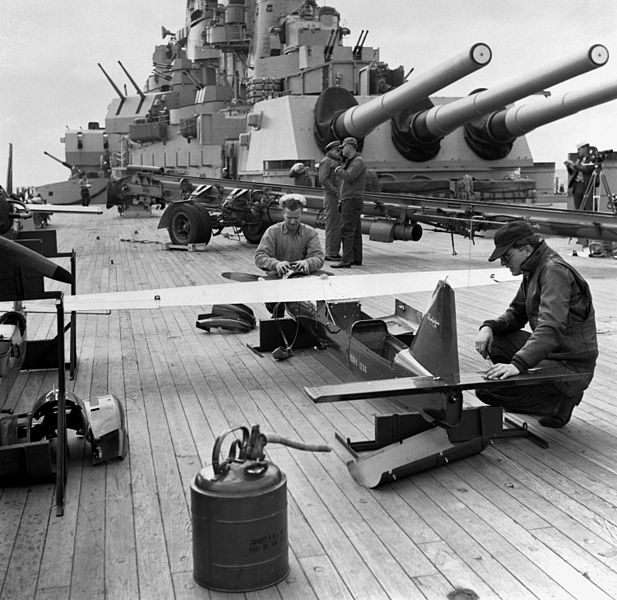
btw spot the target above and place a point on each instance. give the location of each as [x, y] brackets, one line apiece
[443, 212]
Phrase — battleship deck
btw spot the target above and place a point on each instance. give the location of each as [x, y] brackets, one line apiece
[516, 521]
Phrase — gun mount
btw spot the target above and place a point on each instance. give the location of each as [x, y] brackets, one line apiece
[338, 114]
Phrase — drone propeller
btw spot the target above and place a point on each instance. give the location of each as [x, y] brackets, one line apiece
[24, 257]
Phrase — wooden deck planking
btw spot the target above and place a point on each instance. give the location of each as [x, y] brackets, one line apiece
[126, 529]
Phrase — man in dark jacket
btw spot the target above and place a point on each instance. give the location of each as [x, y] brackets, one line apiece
[579, 175]
[556, 302]
[353, 176]
[329, 181]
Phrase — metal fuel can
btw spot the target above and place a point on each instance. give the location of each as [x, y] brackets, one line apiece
[239, 521]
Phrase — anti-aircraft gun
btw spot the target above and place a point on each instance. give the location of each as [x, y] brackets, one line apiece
[75, 172]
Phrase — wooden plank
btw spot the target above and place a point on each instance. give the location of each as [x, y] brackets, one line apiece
[551, 571]
[25, 558]
[151, 554]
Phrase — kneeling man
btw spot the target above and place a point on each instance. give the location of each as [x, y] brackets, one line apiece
[556, 302]
[290, 246]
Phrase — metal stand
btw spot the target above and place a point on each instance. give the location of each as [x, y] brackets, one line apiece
[61, 447]
[406, 444]
[593, 192]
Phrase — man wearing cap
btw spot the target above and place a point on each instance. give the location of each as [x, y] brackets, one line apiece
[353, 176]
[290, 246]
[556, 302]
[330, 182]
[580, 173]
[301, 174]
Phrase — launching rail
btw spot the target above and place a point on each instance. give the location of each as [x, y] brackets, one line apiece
[448, 214]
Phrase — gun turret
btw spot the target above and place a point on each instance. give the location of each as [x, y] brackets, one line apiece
[62, 162]
[417, 136]
[337, 113]
[499, 129]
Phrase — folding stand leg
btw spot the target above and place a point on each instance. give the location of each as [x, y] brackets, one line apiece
[517, 429]
[61, 448]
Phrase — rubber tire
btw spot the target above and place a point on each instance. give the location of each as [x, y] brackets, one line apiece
[206, 223]
[253, 232]
[188, 225]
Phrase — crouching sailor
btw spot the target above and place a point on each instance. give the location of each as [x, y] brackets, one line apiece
[556, 302]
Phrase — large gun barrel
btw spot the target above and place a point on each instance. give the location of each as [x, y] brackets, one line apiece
[423, 130]
[360, 120]
[62, 162]
[337, 113]
[505, 125]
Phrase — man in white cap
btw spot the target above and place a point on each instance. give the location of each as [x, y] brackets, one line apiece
[353, 175]
[580, 173]
[290, 246]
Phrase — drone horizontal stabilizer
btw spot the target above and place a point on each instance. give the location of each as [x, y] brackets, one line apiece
[286, 290]
[408, 386]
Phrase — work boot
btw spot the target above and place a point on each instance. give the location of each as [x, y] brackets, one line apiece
[562, 416]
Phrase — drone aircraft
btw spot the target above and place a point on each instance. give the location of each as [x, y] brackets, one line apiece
[408, 357]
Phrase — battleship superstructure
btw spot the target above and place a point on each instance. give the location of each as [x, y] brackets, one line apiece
[249, 88]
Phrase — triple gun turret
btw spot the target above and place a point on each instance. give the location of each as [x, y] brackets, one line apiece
[490, 129]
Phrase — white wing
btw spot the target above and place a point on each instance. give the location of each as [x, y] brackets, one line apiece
[287, 290]
[64, 208]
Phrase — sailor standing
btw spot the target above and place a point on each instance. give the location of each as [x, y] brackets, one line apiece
[353, 175]
[330, 183]
[84, 189]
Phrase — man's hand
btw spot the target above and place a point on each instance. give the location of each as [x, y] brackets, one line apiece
[501, 371]
[302, 266]
[282, 267]
[484, 341]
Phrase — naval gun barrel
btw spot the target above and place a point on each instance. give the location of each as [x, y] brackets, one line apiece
[137, 88]
[111, 81]
[360, 120]
[510, 123]
[441, 120]
[338, 114]
[422, 132]
[62, 162]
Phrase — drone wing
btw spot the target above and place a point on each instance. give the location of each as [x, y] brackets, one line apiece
[288, 290]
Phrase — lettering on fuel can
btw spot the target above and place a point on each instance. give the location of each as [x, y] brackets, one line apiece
[265, 542]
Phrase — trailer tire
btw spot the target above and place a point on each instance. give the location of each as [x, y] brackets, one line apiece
[253, 232]
[206, 224]
[188, 225]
